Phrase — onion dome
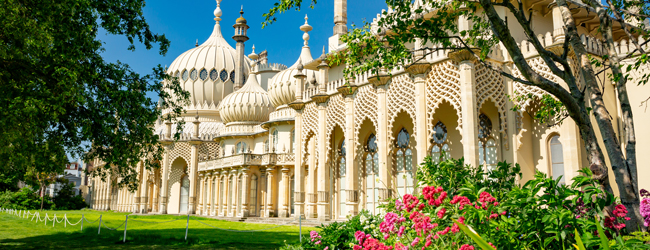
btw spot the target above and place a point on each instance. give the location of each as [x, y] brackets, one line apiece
[282, 87]
[208, 70]
[248, 104]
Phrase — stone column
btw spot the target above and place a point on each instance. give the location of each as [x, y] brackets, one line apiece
[262, 195]
[558, 24]
[194, 159]
[311, 181]
[144, 192]
[201, 194]
[223, 197]
[419, 73]
[283, 191]
[269, 192]
[352, 167]
[136, 195]
[108, 193]
[235, 188]
[165, 178]
[244, 192]
[468, 102]
[298, 105]
[381, 82]
[322, 171]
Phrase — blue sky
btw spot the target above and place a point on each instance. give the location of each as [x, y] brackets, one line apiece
[183, 22]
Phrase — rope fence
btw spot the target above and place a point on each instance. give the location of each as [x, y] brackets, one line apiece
[36, 217]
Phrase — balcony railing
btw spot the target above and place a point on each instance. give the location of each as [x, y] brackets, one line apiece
[248, 159]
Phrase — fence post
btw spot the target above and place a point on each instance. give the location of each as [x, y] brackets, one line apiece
[54, 220]
[125, 224]
[187, 226]
[65, 220]
[100, 224]
[82, 223]
[300, 227]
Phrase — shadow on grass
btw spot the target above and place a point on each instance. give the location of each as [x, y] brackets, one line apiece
[154, 239]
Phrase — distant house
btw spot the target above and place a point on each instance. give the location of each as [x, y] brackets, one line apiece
[74, 174]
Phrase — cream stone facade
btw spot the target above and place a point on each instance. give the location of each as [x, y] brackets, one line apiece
[267, 140]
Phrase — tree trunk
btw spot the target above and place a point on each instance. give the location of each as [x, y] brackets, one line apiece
[625, 168]
[42, 196]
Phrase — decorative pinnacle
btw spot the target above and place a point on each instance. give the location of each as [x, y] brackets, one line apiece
[197, 43]
[306, 28]
[241, 12]
[217, 12]
[253, 56]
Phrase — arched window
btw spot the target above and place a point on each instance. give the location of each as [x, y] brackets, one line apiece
[293, 141]
[403, 163]
[266, 146]
[253, 196]
[185, 192]
[274, 140]
[241, 147]
[342, 181]
[439, 143]
[371, 173]
[557, 158]
[487, 146]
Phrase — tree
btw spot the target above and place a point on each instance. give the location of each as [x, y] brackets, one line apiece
[60, 97]
[477, 27]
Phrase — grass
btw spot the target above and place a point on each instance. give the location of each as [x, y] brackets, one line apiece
[23, 233]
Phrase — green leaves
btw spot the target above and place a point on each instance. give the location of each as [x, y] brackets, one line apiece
[474, 236]
[61, 98]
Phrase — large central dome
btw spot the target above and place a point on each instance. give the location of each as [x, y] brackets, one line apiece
[208, 70]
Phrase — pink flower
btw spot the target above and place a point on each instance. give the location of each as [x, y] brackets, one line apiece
[410, 202]
[493, 246]
[326, 248]
[493, 216]
[415, 241]
[400, 232]
[466, 247]
[399, 205]
[461, 200]
[400, 246]
[441, 213]
[455, 228]
[317, 243]
[314, 235]
[360, 236]
[620, 211]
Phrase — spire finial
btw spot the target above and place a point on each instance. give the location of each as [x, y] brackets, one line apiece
[197, 43]
[217, 12]
[241, 12]
[306, 28]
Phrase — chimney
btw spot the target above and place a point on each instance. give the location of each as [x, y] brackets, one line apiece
[340, 17]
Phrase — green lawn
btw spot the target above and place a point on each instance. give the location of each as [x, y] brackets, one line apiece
[22, 233]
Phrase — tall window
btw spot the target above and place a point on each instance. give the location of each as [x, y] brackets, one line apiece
[214, 193]
[371, 173]
[293, 141]
[557, 158]
[274, 140]
[241, 147]
[342, 185]
[185, 192]
[253, 196]
[266, 146]
[239, 194]
[487, 146]
[403, 163]
[222, 191]
[439, 142]
[291, 194]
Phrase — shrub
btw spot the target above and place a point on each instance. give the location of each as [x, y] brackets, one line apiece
[25, 198]
[67, 200]
[540, 214]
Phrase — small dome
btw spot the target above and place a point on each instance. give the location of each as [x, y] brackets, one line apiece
[282, 87]
[248, 104]
[241, 19]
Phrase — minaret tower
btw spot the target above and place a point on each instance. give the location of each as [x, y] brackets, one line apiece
[340, 17]
[240, 36]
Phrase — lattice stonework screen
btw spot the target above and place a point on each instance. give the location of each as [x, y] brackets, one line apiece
[208, 151]
[309, 126]
[400, 97]
[365, 106]
[443, 83]
[335, 116]
[491, 86]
